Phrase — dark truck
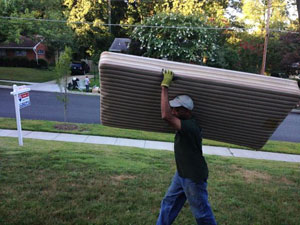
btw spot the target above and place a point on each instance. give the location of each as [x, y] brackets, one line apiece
[79, 68]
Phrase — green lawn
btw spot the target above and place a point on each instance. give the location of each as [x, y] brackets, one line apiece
[47, 182]
[97, 129]
[95, 81]
[26, 74]
[37, 75]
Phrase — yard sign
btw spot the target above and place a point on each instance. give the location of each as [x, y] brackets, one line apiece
[22, 100]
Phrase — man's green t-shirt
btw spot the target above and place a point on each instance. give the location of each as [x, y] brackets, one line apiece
[188, 152]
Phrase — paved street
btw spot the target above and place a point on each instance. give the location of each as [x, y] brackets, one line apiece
[86, 109]
[289, 129]
[46, 106]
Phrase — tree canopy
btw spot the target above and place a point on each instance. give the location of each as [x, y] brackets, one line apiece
[177, 37]
[228, 34]
[30, 18]
[254, 14]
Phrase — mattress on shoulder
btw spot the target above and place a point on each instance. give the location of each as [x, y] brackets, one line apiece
[233, 107]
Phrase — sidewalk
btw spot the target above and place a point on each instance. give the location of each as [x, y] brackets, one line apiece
[208, 150]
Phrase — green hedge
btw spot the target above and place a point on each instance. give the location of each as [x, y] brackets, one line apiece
[22, 62]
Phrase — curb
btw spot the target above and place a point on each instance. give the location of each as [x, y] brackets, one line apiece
[17, 82]
[296, 111]
[82, 93]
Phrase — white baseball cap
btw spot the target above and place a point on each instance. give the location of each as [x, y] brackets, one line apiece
[182, 100]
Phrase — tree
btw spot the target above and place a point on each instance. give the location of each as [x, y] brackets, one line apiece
[31, 18]
[177, 37]
[187, 7]
[89, 20]
[290, 49]
[62, 69]
[267, 32]
[298, 9]
[250, 50]
[254, 12]
[138, 10]
[273, 64]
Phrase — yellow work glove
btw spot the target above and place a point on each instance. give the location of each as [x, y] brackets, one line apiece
[168, 77]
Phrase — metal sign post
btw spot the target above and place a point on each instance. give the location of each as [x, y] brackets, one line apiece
[21, 98]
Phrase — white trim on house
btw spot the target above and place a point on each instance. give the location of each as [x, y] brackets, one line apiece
[35, 52]
[16, 48]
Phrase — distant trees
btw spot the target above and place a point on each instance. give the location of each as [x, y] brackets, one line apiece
[86, 18]
[25, 18]
[290, 49]
[84, 26]
[298, 9]
[255, 13]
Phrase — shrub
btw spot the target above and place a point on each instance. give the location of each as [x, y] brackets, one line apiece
[5, 61]
[23, 62]
[43, 64]
[14, 62]
[20, 62]
[2, 59]
[33, 63]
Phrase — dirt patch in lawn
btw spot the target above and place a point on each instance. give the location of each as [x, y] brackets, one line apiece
[66, 126]
[252, 175]
[116, 180]
[122, 177]
[287, 181]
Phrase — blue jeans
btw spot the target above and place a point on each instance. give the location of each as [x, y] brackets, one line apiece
[196, 194]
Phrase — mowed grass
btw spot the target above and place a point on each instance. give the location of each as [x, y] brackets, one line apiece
[47, 182]
[100, 130]
[26, 74]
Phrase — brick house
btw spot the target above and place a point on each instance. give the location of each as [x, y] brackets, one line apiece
[31, 49]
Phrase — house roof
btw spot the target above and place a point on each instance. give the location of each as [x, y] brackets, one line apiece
[25, 43]
[120, 45]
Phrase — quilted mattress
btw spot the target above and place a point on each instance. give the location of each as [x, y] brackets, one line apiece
[233, 107]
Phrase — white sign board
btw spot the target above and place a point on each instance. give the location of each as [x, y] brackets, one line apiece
[21, 97]
[24, 100]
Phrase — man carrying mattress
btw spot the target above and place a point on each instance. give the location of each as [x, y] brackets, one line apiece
[190, 180]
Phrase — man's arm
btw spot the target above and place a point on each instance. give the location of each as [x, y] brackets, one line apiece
[166, 112]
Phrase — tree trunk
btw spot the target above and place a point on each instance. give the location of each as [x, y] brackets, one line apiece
[263, 66]
[109, 15]
[298, 9]
[65, 98]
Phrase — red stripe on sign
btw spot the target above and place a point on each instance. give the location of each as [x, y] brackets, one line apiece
[24, 95]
